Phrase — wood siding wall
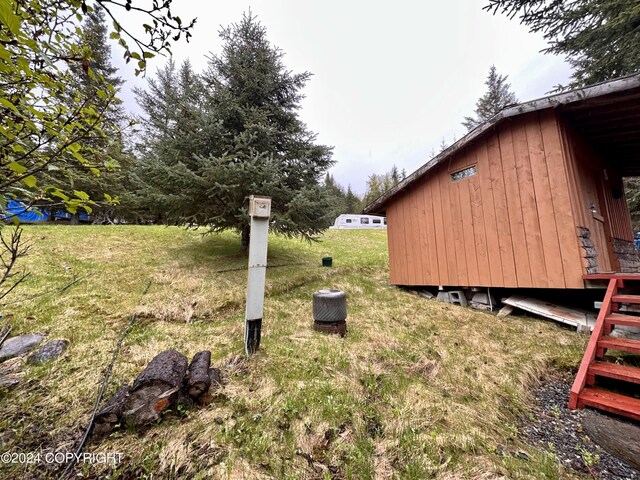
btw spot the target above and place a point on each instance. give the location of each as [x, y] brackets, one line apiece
[511, 225]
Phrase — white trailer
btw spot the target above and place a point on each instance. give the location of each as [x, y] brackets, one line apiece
[350, 221]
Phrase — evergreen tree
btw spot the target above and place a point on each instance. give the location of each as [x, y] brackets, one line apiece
[379, 184]
[337, 196]
[42, 131]
[395, 175]
[353, 203]
[601, 40]
[94, 75]
[498, 96]
[374, 189]
[242, 137]
[173, 130]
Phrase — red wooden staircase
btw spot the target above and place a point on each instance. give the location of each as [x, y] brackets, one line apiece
[583, 392]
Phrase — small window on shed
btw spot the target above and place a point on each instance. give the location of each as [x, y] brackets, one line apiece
[376, 220]
[364, 220]
[348, 220]
[467, 172]
[384, 220]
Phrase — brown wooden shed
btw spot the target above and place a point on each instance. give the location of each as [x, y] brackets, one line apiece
[533, 198]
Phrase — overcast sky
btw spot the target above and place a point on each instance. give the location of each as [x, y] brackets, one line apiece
[390, 79]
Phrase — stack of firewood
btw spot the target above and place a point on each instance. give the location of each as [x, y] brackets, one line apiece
[166, 380]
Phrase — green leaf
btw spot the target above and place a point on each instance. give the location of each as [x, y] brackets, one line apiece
[79, 158]
[16, 168]
[81, 195]
[58, 193]
[4, 54]
[114, 36]
[30, 181]
[16, 147]
[148, 55]
[7, 104]
[8, 18]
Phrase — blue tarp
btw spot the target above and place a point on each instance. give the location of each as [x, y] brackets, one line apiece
[24, 214]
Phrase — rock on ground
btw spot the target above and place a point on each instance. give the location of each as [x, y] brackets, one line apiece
[558, 430]
[9, 382]
[49, 351]
[19, 345]
[10, 373]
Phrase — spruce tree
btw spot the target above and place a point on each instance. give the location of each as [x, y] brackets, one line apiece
[601, 39]
[242, 136]
[353, 203]
[94, 75]
[173, 130]
[337, 196]
[498, 96]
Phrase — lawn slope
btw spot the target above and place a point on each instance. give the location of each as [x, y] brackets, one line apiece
[417, 389]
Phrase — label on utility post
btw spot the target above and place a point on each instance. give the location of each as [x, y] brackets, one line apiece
[259, 210]
[259, 206]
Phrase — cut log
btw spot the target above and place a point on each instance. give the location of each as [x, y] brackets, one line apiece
[620, 439]
[156, 388]
[198, 380]
[111, 413]
[216, 382]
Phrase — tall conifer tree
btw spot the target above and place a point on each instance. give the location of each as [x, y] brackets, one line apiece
[601, 39]
[498, 96]
[248, 139]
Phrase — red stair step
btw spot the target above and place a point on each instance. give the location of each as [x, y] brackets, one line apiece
[626, 320]
[619, 372]
[623, 344]
[626, 298]
[610, 402]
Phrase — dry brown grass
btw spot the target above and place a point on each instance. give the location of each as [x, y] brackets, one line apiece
[417, 389]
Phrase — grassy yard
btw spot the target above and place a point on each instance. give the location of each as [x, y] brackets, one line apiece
[417, 389]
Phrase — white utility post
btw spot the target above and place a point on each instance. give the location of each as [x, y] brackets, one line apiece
[259, 211]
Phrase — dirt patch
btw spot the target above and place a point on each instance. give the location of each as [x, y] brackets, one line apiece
[558, 430]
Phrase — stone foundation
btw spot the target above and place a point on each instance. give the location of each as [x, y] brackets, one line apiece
[627, 256]
[588, 250]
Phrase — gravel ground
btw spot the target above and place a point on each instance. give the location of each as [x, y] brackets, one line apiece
[555, 428]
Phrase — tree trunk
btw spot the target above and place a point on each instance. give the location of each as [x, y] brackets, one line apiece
[246, 234]
[111, 413]
[75, 219]
[619, 438]
[198, 380]
[155, 388]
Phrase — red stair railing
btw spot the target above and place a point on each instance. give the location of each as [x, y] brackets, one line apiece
[592, 348]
